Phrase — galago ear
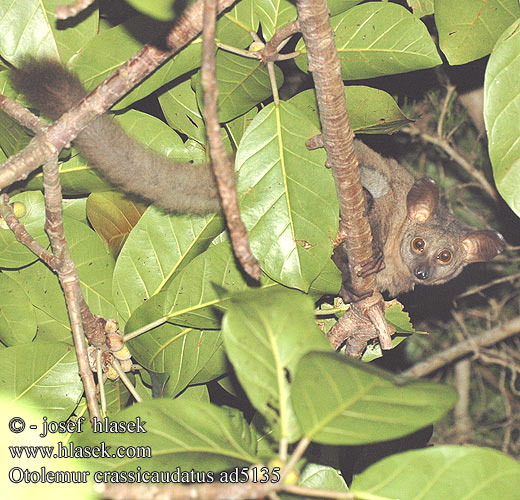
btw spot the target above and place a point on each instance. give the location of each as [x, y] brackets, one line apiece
[422, 199]
[481, 246]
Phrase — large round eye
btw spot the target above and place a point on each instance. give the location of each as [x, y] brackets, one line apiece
[445, 257]
[418, 245]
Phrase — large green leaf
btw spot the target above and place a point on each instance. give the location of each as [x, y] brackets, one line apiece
[17, 317]
[159, 246]
[30, 29]
[236, 128]
[375, 39]
[340, 401]
[370, 111]
[421, 8]
[111, 48]
[198, 294]
[76, 177]
[179, 105]
[177, 351]
[242, 84]
[288, 199]
[181, 433]
[274, 14]
[95, 266]
[280, 324]
[468, 29]
[501, 112]
[13, 137]
[450, 472]
[12, 253]
[338, 6]
[43, 375]
[158, 9]
[234, 27]
[322, 477]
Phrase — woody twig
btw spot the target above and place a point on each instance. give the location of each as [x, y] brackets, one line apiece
[222, 164]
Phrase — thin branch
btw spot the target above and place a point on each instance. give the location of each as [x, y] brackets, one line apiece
[296, 455]
[22, 115]
[274, 85]
[486, 338]
[449, 92]
[69, 280]
[22, 236]
[480, 288]
[443, 144]
[145, 328]
[66, 11]
[101, 383]
[281, 36]
[124, 378]
[240, 52]
[221, 162]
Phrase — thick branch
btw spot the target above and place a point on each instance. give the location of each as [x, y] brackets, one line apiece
[338, 140]
[471, 345]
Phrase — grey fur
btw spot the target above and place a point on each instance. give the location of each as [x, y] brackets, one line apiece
[174, 186]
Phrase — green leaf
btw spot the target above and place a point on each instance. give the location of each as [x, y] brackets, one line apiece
[322, 477]
[181, 111]
[274, 14]
[17, 317]
[453, 472]
[12, 253]
[157, 248]
[236, 128]
[43, 375]
[339, 401]
[370, 111]
[179, 352]
[196, 393]
[109, 49]
[501, 111]
[95, 266]
[421, 8]
[338, 6]
[76, 178]
[468, 29]
[280, 324]
[158, 9]
[288, 199]
[199, 293]
[376, 39]
[13, 137]
[234, 27]
[216, 366]
[242, 84]
[186, 433]
[29, 28]
[328, 281]
[400, 320]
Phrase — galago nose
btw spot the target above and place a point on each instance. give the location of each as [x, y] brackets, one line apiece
[421, 273]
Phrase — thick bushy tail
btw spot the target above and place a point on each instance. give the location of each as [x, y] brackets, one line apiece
[175, 187]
